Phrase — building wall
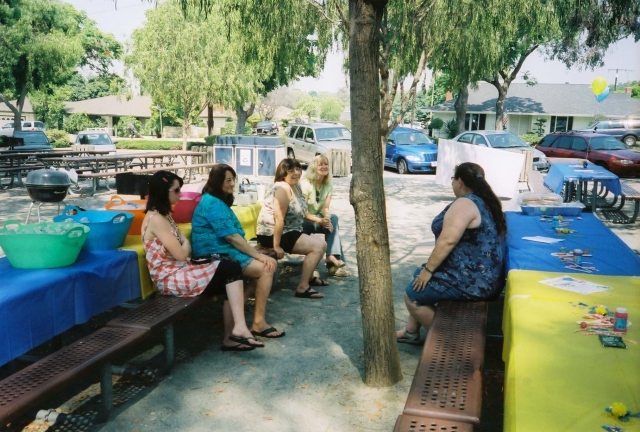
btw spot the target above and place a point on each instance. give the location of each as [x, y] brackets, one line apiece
[7, 116]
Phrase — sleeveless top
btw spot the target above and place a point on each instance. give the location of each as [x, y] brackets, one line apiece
[173, 277]
[292, 219]
[475, 266]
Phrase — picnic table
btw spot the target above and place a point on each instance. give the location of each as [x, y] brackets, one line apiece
[557, 378]
[563, 175]
[38, 304]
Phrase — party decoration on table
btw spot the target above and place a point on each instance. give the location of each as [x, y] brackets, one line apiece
[579, 286]
[620, 412]
[602, 96]
[542, 239]
[598, 85]
[574, 259]
[601, 310]
[608, 341]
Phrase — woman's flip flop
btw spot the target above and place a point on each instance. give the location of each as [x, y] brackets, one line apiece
[308, 293]
[267, 332]
[245, 341]
[316, 281]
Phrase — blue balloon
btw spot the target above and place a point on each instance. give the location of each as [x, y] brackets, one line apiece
[602, 96]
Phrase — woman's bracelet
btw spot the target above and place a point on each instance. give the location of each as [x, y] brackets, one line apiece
[424, 266]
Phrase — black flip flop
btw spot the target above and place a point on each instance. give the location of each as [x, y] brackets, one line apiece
[267, 332]
[244, 341]
[237, 348]
[316, 281]
[308, 294]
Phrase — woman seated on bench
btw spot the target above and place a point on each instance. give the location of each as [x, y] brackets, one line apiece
[317, 190]
[467, 263]
[167, 252]
[216, 229]
[280, 226]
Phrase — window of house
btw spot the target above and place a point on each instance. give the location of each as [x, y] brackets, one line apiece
[475, 121]
[561, 124]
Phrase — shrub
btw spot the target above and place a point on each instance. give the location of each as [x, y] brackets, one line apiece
[531, 138]
[60, 144]
[451, 128]
[436, 123]
[210, 140]
[121, 128]
[76, 122]
[58, 136]
[140, 144]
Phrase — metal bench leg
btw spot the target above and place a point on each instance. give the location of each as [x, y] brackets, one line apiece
[169, 348]
[106, 391]
[636, 210]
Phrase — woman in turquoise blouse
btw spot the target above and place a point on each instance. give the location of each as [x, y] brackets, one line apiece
[217, 230]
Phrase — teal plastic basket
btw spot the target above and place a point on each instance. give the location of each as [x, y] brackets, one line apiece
[108, 228]
[43, 245]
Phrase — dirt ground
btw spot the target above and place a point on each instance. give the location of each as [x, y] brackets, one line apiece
[310, 380]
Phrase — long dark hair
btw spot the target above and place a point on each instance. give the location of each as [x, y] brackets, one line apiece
[159, 186]
[216, 179]
[285, 166]
[472, 175]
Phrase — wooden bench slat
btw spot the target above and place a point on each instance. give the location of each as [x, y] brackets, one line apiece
[144, 170]
[35, 383]
[448, 380]
[413, 423]
[536, 182]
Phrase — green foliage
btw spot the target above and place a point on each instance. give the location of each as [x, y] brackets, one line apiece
[436, 123]
[140, 144]
[531, 138]
[253, 120]
[451, 127]
[330, 109]
[60, 144]
[285, 122]
[58, 136]
[635, 91]
[210, 140]
[599, 117]
[122, 127]
[307, 106]
[49, 105]
[77, 122]
[539, 126]
[95, 86]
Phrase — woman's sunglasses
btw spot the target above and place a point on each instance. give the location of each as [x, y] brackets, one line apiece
[176, 190]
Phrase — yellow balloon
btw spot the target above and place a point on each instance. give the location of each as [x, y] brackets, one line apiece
[598, 85]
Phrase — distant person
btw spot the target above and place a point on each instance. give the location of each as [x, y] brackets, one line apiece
[167, 252]
[216, 229]
[132, 130]
[317, 189]
[467, 263]
[280, 226]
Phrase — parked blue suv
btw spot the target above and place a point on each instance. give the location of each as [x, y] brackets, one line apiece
[410, 150]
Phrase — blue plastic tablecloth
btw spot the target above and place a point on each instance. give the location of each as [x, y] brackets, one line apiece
[561, 172]
[611, 256]
[36, 305]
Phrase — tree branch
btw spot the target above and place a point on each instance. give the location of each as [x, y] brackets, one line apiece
[13, 109]
[523, 57]
[343, 18]
[322, 12]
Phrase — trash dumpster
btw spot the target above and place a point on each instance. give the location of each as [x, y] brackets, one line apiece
[250, 155]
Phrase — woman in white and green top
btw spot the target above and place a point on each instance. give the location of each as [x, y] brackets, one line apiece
[280, 226]
[317, 189]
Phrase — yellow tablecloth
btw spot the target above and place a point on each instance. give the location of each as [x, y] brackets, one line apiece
[247, 215]
[558, 380]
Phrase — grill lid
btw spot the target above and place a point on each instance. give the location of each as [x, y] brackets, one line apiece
[47, 177]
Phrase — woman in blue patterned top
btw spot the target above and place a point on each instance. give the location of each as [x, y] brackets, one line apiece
[216, 229]
[467, 262]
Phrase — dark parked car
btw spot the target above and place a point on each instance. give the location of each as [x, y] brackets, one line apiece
[627, 131]
[33, 140]
[409, 150]
[600, 149]
[269, 127]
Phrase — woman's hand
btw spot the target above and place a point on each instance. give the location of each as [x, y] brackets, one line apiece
[279, 251]
[270, 264]
[326, 224]
[421, 281]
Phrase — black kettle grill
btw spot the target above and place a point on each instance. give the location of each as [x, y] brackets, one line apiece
[47, 186]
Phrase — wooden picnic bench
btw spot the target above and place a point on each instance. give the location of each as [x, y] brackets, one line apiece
[447, 385]
[96, 176]
[536, 182]
[24, 390]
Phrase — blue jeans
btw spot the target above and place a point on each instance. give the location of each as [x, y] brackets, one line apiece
[334, 245]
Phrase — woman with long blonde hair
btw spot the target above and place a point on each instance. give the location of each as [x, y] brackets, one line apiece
[317, 189]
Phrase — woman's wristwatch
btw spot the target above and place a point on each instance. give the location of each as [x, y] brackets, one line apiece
[424, 266]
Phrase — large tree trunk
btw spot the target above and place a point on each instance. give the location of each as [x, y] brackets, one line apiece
[243, 116]
[461, 107]
[381, 359]
[209, 119]
[185, 132]
[16, 110]
[502, 98]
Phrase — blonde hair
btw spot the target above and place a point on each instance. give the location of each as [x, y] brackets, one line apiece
[312, 170]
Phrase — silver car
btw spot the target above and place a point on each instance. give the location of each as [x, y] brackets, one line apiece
[98, 138]
[505, 141]
[304, 141]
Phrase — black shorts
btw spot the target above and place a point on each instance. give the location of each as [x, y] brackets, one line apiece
[287, 241]
[228, 271]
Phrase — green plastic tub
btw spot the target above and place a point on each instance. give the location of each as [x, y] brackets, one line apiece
[43, 245]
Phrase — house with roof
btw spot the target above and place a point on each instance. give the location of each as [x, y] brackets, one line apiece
[564, 106]
[111, 108]
[6, 115]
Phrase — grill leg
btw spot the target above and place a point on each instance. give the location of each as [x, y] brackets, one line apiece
[169, 349]
[39, 205]
[29, 215]
[106, 390]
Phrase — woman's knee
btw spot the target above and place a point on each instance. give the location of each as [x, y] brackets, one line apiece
[334, 220]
